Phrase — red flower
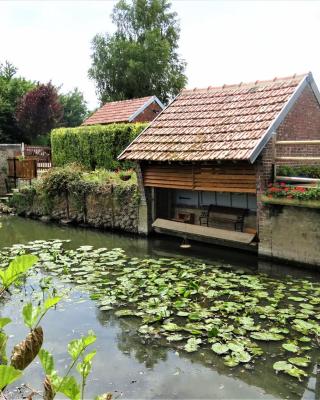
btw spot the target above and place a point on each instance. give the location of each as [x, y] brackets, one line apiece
[282, 184]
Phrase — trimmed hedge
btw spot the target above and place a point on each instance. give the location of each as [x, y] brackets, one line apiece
[96, 146]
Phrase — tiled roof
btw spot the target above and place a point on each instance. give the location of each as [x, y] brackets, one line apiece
[217, 123]
[117, 111]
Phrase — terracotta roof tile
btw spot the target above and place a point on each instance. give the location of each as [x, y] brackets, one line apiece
[116, 111]
[214, 123]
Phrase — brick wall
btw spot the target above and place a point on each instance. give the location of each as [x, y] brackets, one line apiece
[149, 113]
[302, 123]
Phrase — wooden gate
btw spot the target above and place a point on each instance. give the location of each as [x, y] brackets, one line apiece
[22, 168]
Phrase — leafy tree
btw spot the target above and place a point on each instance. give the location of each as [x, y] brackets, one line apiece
[140, 58]
[11, 90]
[74, 108]
[39, 111]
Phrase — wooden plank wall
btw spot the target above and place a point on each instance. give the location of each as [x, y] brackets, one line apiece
[225, 177]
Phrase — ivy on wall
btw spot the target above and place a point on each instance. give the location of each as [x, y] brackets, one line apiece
[96, 146]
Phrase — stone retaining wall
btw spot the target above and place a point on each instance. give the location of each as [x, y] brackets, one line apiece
[6, 151]
[290, 233]
[105, 210]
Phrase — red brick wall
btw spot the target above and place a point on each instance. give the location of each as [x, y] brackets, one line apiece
[302, 123]
[149, 113]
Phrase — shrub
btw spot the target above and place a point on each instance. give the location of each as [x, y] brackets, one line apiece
[94, 147]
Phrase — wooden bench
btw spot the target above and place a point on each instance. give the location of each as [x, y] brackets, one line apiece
[223, 214]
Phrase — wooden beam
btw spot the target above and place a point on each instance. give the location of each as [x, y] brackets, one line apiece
[298, 142]
[298, 158]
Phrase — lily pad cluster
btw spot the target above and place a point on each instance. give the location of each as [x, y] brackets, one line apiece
[193, 305]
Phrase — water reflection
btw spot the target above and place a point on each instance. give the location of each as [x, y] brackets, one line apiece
[145, 368]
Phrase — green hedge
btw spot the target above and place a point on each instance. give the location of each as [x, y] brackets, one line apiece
[96, 146]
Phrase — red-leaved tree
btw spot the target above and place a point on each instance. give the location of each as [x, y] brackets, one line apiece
[39, 111]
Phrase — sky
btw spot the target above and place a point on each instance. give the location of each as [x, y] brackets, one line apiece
[223, 42]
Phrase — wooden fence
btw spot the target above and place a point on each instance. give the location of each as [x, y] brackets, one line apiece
[22, 168]
[42, 154]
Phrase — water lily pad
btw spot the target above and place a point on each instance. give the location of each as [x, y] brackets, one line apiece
[220, 348]
[266, 336]
[125, 313]
[192, 345]
[290, 347]
[300, 361]
[175, 338]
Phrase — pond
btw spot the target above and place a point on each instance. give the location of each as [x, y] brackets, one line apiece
[149, 359]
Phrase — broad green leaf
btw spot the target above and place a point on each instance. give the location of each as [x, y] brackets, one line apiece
[70, 388]
[17, 267]
[30, 314]
[231, 361]
[51, 302]
[220, 348]
[242, 356]
[47, 362]
[8, 374]
[296, 372]
[84, 367]
[4, 321]
[281, 366]
[125, 313]
[77, 346]
[266, 336]
[3, 347]
[175, 338]
[300, 361]
[290, 347]
[192, 345]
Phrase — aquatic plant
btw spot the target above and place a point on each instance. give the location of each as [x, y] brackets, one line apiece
[193, 305]
[24, 353]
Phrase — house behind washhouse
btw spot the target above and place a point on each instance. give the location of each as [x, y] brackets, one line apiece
[142, 109]
[217, 147]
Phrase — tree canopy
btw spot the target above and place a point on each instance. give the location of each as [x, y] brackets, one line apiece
[39, 111]
[11, 90]
[74, 108]
[141, 58]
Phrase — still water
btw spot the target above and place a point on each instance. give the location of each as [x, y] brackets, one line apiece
[126, 364]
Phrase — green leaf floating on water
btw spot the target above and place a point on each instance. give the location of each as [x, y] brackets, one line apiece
[171, 327]
[266, 336]
[300, 361]
[179, 299]
[289, 369]
[125, 313]
[220, 348]
[175, 338]
[192, 345]
[290, 347]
